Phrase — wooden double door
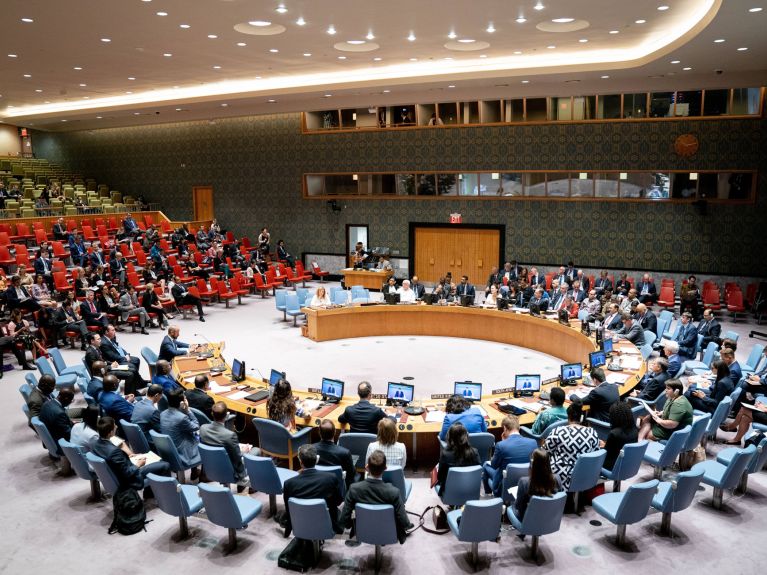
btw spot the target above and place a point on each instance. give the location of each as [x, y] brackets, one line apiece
[459, 249]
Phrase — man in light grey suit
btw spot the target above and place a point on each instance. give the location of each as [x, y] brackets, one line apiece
[217, 435]
[179, 423]
[631, 330]
[145, 412]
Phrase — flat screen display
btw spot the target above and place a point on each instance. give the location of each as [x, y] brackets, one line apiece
[238, 370]
[571, 371]
[275, 376]
[597, 359]
[527, 382]
[400, 392]
[607, 345]
[332, 387]
[468, 389]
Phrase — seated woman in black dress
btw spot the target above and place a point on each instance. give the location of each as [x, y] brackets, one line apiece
[623, 430]
[708, 400]
[457, 453]
[541, 482]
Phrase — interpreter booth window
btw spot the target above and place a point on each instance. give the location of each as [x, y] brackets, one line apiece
[468, 184]
[512, 185]
[688, 103]
[427, 184]
[745, 101]
[581, 185]
[356, 233]
[557, 185]
[490, 184]
[315, 186]
[635, 105]
[536, 110]
[733, 186]
[606, 185]
[341, 185]
[535, 184]
[684, 186]
[716, 103]
[447, 184]
[661, 104]
[648, 185]
[514, 110]
[584, 107]
[609, 107]
[405, 184]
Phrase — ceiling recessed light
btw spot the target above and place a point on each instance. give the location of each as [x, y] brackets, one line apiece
[583, 40]
[162, 13]
[328, 95]
[605, 77]
[216, 67]
[517, 52]
[13, 55]
[411, 37]
[551, 47]
[224, 105]
[281, 9]
[675, 61]
[386, 91]
[273, 50]
[414, 59]
[212, 36]
[241, 44]
[539, 5]
[377, 59]
[271, 101]
[307, 54]
[131, 78]
[128, 92]
[663, 8]
[742, 49]
[451, 86]
[99, 117]
[301, 21]
[106, 40]
[86, 97]
[39, 91]
[184, 26]
[521, 20]
[448, 58]
[260, 23]
[27, 75]
[483, 55]
[136, 113]
[61, 120]
[178, 109]
[525, 81]
[687, 69]
[490, 28]
[614, 32]
[563, 20]
[370, 36]
[77, 68]
[452, 35]
[331, 30]
[466, 40]
[83, 85]
[639, 21]
[27, 20]
[167, 54]
[355, 42]
[718, 40]
[757, 9]
[342, 57]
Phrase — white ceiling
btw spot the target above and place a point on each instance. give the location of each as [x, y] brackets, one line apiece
[182, 74]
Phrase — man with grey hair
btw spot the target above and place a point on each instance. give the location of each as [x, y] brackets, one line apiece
[406, 295]
[671, 352]
[312, 484]
[559, 298]
[631, 331]
[654, 381]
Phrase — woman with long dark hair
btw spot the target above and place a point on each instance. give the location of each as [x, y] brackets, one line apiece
[457, 453]
[540, 482]
[281, 406]
[623, 430]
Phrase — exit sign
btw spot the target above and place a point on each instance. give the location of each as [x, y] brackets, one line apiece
[455, 218]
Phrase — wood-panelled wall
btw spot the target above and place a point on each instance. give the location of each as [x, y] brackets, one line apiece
[469, 251]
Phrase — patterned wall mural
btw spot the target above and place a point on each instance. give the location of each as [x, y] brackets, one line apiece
[256, 164]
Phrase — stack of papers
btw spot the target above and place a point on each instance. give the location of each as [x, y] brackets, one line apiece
[215, 388]
[632, 363]
[239, 395]
[619, 378]
[581, 392]
[435, 416]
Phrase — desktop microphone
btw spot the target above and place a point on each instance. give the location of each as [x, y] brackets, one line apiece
[203, 337]
[263, 379]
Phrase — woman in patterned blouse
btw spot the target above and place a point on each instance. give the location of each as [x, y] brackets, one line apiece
[569, 441]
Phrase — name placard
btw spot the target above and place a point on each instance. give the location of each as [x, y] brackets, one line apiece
[503, 391]
[441, 395]
[314, 390]
[378, 396]
[550, 380]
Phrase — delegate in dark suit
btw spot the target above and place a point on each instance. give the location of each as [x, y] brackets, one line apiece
[513, 449]
[313, 484]
[647, 292]
[653, 385]
[181, 427]
[55, 418]
[115, 405]
[127, 474]
[95, 387]
[362, 417]
[146, 416]
[111, 351]
[376, 492]
[130, 377]
[687, 338]
[465, 289]
[599, 400]
[602, 284]
[633, 333]
[332, 454]
[542, 303]
[711, 331]
[712, 397]
[171, 348]
[90, 313]
[217, 435]
[648, 321]
[43, 266]
[36, 401]
[198, 399]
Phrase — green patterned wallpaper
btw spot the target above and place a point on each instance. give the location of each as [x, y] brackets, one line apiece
[255, 165]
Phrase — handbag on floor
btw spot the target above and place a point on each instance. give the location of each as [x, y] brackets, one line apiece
[298, 556]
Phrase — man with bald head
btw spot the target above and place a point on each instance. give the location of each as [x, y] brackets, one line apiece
[171, 346]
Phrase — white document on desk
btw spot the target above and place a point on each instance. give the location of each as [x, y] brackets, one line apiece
[581, 392]
[435, 416]
[619, 378]
[632, 363]
[215, 388]
[238, 395]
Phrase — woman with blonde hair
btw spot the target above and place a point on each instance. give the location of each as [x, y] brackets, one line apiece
[386, 441]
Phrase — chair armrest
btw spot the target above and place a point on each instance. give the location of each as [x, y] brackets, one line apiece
[528, 432]
[300, 435]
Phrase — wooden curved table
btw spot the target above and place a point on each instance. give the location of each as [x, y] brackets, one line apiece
[544, 335]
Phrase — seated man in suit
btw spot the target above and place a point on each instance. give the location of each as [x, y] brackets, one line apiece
[66, 319]
[458, 408]
[646, 318]
[132, 380]
[181, 426]
[465, 288]
[117, 269]
[687, 338]
[312, 484]
[631, 330]
[536, 278]
[646, 290]
[44, 267]
[603, 283]
[584, 281]
[374, 491]
[539, 300]
[198, 398]
[114, 404]
[671, 352]
[613, 320]
[727, 355]
[363, 416]
[710, 329]
[390, 286]
[592, 305]
[145, 412]
[163, 378]
[41, 394]
[60, 231]
[653, 383]
[494, 278]
[418, 288]
[332, 454]
[171, 346]
[601, 398]
[96, 384]
[216, 434]
[558, 297]
[91, 313]
[17, 296]
[130, 472]
[512, 448]
[578, 293]
[112, 351]
[183, 297]
[53, 414]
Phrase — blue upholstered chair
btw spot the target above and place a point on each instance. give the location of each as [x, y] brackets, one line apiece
[705, 363]
[542, 517]
[375, 525]
[626, 508]
[266, 477]
[25, 389]
[303, 295]
[753, 359]
[586, 473]
[338, 472]
[462, 484]
[478, 521]
[698, 430]
[646, 350]
[602, 428]
[293, 306]
[650, 336]
[662, 326]
[676, 495]
[512, 474]
[150, 357]
[733, 335]
[395, 475]
[76, 457]
[484, 443]
[275, 440]
[627, 464]
[539, 437]
[201, 418]
[755, 466]
[340, 297]
[42, 432]
[279, 302]
[357, 444]
[61, 366]
[726, 476]
[176, 500]
[661, 455]
[217, 465]
[310, 520]
[225, 509]
[44, 366]
[167, 450]
[135, 437]
[717, 419]
[104, 473]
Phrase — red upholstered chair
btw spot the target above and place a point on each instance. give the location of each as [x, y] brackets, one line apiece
[40, 236]
[666, 297]
[712, 299]
[735, 304]
[224, 293]
[88, 234]
[206, 294]
[317, 271]
[234, 285]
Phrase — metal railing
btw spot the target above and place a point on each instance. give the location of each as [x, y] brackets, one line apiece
[22, 212]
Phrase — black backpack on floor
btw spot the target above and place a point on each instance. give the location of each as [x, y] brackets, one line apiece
[129, 512]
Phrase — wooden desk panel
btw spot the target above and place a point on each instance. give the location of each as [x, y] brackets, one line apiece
[364, 278]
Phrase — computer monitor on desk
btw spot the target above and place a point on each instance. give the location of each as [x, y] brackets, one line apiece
[597, 359]
[467, 300]
[238, 370]
[607, 346]
[571, 372]
[391, 298]
[332, 390]
[399, 393]
[527, 384]
[275, 376]
[468, 389]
